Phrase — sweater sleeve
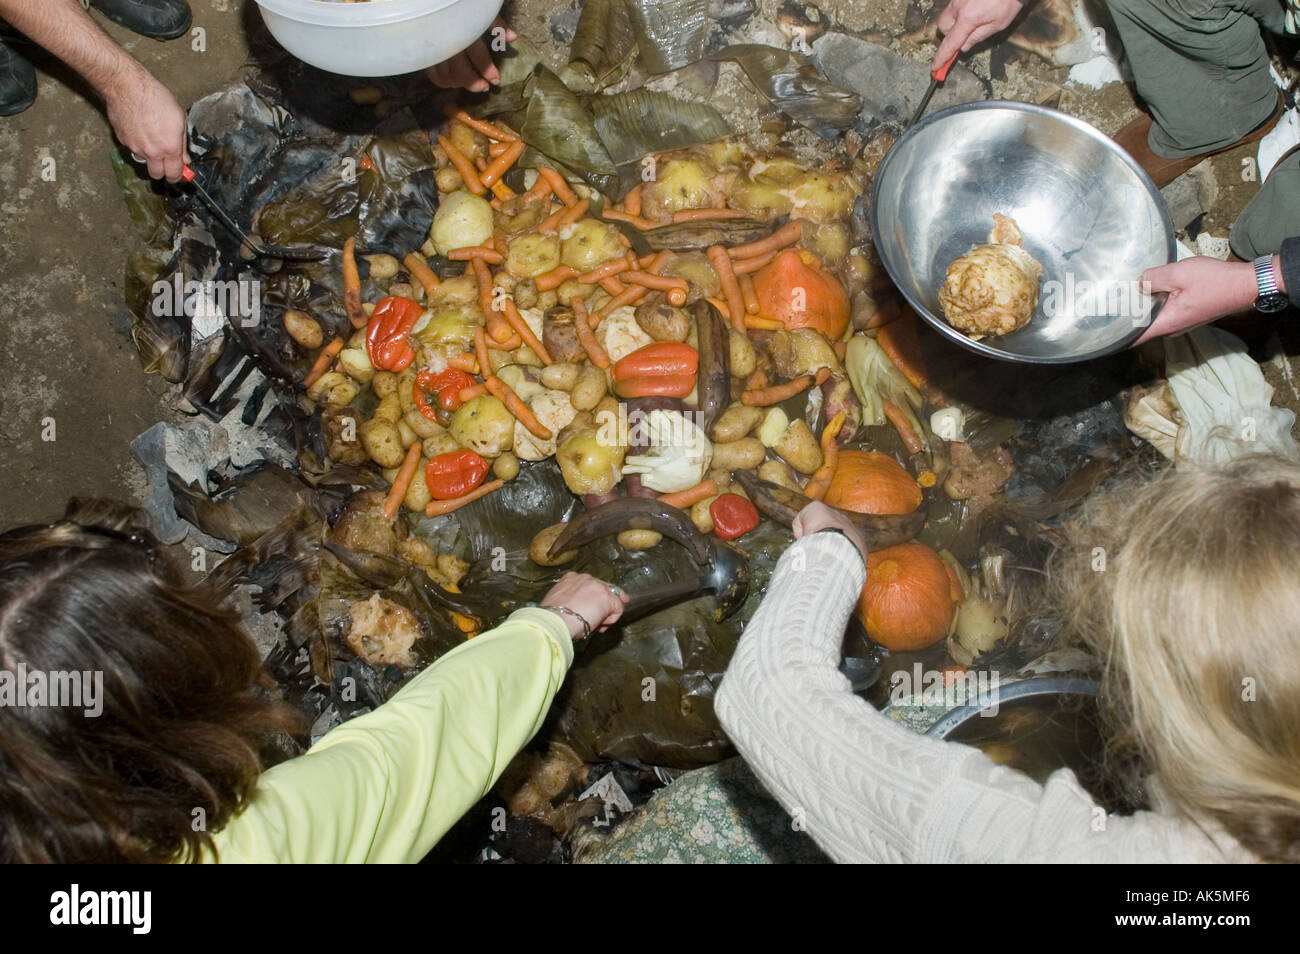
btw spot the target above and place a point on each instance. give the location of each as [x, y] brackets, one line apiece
[385, 786]
[868, 790]
[1289, 256]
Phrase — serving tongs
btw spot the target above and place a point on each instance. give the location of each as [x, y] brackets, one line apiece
[288, 253]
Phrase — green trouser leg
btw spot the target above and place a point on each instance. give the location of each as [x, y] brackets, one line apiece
[1273, 215]
[1201, 67]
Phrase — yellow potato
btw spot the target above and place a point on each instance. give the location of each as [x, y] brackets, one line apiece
[422, 426]
[588, 390]
[562, 376]
[533, 253]
[506, 467]
[743, 357]
[778, 472]
[382, 266]
[384, 383]
[537, 549]
[390, 410]
[736, 422]
[744, 454]
[356, 364]
[333, 387]
[798, 448]
[700, 515]
[304, 329]
[417, 494]
[639, 539]
[383, 443]
[439, 444]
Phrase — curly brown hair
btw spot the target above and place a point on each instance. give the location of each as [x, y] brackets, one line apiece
[181, 720]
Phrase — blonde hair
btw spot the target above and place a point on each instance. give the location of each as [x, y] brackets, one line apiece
[1188, 587]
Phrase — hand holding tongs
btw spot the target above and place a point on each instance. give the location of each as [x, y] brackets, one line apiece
[937, 76]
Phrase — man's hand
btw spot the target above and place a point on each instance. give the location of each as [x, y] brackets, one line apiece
[149, 122]
[1200, 290]
[472, 68]
[817, 516]
[964, 23]
[599, 603]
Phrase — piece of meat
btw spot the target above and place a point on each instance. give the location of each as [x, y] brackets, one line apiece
[382, 632]
[975, 476]
[363, 526]
[992, 289]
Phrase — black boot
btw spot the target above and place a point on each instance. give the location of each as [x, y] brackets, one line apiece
[17, 79]
[160, 19]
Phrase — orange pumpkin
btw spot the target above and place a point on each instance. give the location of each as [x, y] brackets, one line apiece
[906, 604]
[797, 278]
[872, 482]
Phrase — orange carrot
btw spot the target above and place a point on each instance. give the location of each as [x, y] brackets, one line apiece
[581, 324]
[956, 592]
[541, 189]
[522, 412]
[898, 339]
[903, 426]
[730, 286]
[517, 322]
[469, 393]
[746, 266]
[657, 282]
[721, 305]
[352, 285]
[481, 351]
[481, 125]
[821, 478]
[644, 225]
[417, 266]
[466, 168]
[555, 277]
[489, 255]
[558, 185]
[496, 148]
[613, 267]
[612, 286]
[778, 240]
[762, 324]
[498, 166]
[562, 217]
[630, 296]
[502, 192]
[764, 397]
[397, 492]
[436, 508]
[464, 362]
[699, 215]
[322, 362]
[684, 499]
[823, 375]
[677, 297]
[497, 328]
[510, 344]
[747, 292]
[632, 201]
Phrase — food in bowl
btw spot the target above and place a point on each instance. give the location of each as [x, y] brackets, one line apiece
[993, 288]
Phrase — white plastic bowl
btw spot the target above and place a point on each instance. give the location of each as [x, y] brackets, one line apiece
[380, 38]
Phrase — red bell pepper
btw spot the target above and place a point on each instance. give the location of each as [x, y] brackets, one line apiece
[446, 384]
[391, 322]
[664, 368]
[455, 474]
[733, 516]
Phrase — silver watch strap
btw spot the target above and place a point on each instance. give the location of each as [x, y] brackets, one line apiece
[1265, 280]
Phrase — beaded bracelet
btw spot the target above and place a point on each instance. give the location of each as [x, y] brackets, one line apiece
[586, 627]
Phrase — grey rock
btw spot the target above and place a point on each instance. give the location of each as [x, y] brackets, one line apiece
[891, 86]
[1191, 195]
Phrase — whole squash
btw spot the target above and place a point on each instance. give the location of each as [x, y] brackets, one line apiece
[872, 482]
[906, 604]
[797, 290]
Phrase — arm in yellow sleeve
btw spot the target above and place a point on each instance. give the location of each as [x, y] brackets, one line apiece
[385, 786]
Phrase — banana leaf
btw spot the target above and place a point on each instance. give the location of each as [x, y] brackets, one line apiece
[555, 123]
[794, 85]
[642, 121]
[603, 43]
[669, 33]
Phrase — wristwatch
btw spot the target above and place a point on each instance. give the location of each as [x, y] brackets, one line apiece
[1270, 300]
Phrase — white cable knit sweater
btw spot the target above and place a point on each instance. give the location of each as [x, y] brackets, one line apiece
[868, 790]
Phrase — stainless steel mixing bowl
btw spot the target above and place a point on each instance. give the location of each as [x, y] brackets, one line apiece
[1086, 210]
